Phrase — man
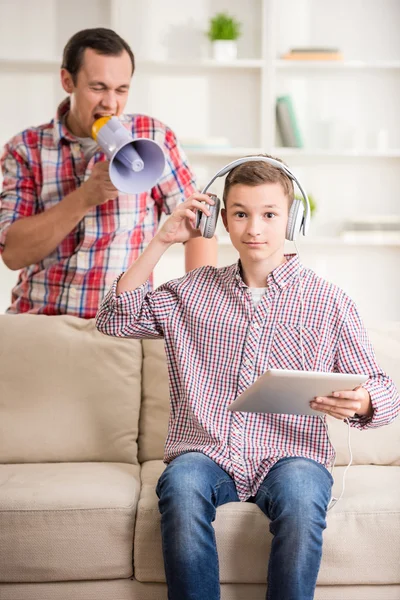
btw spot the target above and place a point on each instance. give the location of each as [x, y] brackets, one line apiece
[62, 222]
[223, 328]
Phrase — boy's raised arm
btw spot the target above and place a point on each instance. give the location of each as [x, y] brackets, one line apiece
[179, 227]
[128, 310]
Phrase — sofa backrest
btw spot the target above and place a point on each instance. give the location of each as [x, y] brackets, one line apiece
[67, 392]
[373, 446]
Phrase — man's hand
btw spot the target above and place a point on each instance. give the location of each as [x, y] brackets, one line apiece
[98, 188]
[345, 404]
[180, 226]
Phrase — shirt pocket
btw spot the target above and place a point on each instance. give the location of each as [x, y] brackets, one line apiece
[286, 349]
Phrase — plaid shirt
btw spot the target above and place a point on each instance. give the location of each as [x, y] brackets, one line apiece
[44, 164]
[217, 344]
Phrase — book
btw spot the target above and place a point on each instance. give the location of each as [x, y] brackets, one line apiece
[287, 123]
[313, 53]
[315, 49]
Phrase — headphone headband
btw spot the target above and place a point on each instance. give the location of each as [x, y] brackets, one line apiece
[275, 163]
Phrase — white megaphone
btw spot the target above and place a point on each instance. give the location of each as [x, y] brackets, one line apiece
[135, 164]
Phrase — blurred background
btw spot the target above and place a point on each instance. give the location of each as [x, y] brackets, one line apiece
[314, 82]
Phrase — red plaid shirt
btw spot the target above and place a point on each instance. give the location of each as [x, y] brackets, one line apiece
[44, 164]
[217, 344]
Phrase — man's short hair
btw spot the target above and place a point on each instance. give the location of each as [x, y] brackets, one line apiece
[255, 173]
[101, 40]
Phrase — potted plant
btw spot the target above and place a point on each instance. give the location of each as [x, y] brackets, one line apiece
[223, 32]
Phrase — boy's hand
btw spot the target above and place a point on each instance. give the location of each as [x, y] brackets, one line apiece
[180, 226]
[345, 404]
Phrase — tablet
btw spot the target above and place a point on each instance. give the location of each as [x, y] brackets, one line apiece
[285, 391]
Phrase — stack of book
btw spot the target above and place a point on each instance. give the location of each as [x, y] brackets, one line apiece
[313, 53]
[378, 228]
[287, 123]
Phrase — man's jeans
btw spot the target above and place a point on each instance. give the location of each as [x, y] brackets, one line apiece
[294, 496]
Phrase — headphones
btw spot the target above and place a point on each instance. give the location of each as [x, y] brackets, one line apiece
[299, 214]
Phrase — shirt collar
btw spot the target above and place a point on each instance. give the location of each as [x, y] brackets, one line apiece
[282, 276]
[60, 130]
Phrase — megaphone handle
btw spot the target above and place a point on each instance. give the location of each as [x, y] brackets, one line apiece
[130, 158]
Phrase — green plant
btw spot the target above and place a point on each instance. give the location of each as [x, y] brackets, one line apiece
[313, 205]
[223, 27]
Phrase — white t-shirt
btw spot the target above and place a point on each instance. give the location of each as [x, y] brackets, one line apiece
[89, 147]
[257, 294]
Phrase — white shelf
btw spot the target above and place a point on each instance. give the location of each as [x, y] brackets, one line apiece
[299, 153]
[237, 152]
[239, 63]
[335, 154]
[329, 241]
[29, 65]
[336, 64]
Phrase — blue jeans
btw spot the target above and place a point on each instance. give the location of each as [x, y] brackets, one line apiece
[294, 496]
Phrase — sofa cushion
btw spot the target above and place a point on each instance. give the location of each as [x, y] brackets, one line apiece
[385, 339]
[379, 446]
[67, 392]
[67, 521]
[131, 589]
[367, 517]
[154, 411]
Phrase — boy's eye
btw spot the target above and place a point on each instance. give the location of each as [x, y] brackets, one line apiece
[240, 214]
[270, 215]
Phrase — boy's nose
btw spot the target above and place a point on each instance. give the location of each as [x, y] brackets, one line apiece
[253, 229]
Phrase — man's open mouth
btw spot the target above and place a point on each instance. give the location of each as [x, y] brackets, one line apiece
[100, 115]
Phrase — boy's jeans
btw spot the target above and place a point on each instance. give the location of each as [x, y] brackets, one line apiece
[294, 495]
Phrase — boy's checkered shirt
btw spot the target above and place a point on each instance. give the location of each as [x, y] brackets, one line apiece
[217, 344]
[44, 164]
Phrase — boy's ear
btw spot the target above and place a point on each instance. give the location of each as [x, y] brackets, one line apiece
[66, 81]
[224, 219]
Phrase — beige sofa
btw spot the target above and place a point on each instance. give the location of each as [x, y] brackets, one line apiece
[83, 419]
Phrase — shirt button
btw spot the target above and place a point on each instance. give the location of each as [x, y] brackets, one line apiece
[247, 362]
[257, 325]
[73, 292]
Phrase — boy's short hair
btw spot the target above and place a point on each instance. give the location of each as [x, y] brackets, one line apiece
[101, 40]
[255, 173]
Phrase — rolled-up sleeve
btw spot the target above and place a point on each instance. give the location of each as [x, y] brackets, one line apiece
[356, 355]
[137, 313]
[18, 197]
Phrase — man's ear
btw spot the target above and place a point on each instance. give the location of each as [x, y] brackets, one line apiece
[224, 219]
[67, 81]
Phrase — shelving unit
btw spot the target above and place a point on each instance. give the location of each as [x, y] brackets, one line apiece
[199, 98]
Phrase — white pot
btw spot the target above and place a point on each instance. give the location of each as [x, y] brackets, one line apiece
[224, 50]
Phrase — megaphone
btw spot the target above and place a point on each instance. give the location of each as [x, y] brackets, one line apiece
[135, 164]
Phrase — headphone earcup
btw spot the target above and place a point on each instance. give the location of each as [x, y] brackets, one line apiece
[295, 220]
[207, 224]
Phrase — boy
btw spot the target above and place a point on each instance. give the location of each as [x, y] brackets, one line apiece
[223, 328]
